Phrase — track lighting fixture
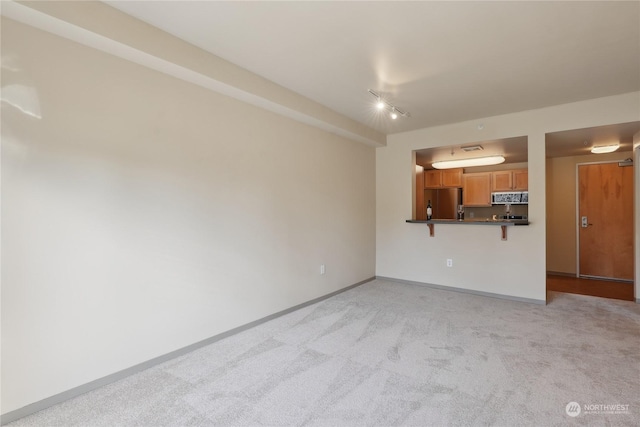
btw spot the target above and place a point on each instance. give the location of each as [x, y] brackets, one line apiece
[382, 104]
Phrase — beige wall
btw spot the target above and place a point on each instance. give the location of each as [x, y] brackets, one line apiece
[481, 261]
[142, 214]
[562, 252]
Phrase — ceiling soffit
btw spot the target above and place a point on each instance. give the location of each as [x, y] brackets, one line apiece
[444, 62]
[99, 26]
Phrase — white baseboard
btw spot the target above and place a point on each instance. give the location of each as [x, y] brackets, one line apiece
[466, 291]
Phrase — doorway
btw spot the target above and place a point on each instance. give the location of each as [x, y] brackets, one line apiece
[605, 221]
[565, 151]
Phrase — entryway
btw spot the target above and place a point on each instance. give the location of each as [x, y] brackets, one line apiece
[605, 214]
[590, 240]
[593, 287]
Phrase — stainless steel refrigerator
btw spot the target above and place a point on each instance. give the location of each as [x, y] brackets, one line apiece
[444, 202]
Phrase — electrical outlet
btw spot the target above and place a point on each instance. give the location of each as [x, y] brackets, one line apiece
[449, 262]
[322, 269]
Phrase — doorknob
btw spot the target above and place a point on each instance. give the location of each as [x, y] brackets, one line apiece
[585, 222]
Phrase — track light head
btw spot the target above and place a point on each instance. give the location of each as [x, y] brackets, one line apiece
[381, 104]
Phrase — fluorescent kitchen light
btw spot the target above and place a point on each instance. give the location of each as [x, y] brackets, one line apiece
[605, 149]
[466, 163]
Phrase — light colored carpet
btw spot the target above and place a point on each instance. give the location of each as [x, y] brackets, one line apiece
[387, 353]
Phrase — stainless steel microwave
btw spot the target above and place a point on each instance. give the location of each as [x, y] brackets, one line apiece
[510, 198]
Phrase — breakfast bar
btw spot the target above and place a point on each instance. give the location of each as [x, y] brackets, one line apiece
[503, 223]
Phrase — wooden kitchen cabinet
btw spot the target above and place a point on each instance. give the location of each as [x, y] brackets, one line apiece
[476, 189]
[452, 178]
[509, 180]
[447, 178]
[521, 179]
[501, 181]
[433, 179]
[421, 211]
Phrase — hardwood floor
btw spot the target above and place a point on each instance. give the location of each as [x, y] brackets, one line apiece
[593, 287]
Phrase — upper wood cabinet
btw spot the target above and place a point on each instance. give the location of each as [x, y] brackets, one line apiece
[521, 179]
[509, 180]
[476, 189]
[501, 181]
[433, 179]
[452, 177]
[446, 178]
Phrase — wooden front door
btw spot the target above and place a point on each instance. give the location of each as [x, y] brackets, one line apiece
[606, 221]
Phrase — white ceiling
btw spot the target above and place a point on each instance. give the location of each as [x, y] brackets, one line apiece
[580, 141]
[513, 149]
[576, 142]
[444, 62]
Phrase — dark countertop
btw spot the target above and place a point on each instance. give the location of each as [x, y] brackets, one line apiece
[475, 221]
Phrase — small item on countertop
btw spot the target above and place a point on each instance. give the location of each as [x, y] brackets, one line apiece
[429, 210]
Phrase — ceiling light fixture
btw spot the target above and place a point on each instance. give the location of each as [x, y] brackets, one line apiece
[601, 149]
[382, 104]
[466, 163]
